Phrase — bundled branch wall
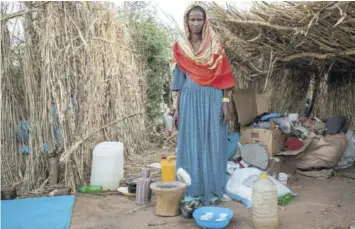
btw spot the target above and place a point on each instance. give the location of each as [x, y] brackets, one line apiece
[84, 83]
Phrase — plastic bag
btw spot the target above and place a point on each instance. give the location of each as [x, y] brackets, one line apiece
[232, 166]
[240, 184]
[168, 120]
[284, 124]
[348, 157]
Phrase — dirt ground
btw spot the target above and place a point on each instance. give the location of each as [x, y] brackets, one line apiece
[320, 204]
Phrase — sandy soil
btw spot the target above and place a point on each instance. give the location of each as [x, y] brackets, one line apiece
[320, 204]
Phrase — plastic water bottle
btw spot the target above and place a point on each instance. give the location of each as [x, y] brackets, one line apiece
[264, 198]
[90, 189]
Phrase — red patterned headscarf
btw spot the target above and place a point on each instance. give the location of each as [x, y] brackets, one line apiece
[208, 66]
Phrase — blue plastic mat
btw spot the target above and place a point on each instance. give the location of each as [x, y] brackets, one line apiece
[37, 213]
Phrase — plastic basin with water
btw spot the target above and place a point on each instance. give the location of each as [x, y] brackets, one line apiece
[212, 224]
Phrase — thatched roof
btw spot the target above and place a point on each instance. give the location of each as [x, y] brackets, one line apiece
[303, 33]
[291, 50]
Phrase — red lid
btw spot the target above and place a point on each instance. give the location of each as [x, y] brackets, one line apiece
[163, 156]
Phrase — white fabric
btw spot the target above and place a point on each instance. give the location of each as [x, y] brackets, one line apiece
[240, 185]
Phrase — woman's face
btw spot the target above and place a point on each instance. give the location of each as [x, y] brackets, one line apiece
[195, 21]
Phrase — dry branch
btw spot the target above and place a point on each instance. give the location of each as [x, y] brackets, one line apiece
[318, 55]
[21, 13]
[18, 14]
[260, 23]
[75, 146]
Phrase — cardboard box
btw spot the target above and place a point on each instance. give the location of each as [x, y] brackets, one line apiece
[262, 103]
[272, 139]
[249, 105]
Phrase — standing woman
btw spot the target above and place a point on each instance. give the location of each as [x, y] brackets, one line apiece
[203, 79]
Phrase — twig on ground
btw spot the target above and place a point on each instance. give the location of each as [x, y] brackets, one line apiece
[138, 208]
[324, 205]
[152, 224]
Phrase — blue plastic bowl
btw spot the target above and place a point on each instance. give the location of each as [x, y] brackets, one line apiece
[212, 224]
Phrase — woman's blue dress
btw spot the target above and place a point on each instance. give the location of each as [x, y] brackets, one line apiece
[202, 137]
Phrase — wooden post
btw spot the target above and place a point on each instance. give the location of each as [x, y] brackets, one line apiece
[53, 169]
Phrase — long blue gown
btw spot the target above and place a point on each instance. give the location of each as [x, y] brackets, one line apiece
[202, 137]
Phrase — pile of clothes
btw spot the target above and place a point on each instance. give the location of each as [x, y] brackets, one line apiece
[320, 146]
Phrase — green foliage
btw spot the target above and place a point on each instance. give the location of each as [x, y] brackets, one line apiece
[153, 42]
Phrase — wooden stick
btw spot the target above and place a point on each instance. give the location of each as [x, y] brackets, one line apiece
[261, 23]
[324, 205]
[318, 55]
[78, 143]
[23, 12]
[140, 207]
[152, 224]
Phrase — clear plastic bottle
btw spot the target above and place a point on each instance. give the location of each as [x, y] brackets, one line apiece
[265, 209]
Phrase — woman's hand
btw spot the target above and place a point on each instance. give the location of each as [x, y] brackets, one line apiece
[225, 110]
[176, 118]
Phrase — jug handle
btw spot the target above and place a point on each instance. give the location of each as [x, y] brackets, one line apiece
[172, 157]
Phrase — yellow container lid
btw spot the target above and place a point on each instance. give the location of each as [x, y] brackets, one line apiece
[263, 176]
